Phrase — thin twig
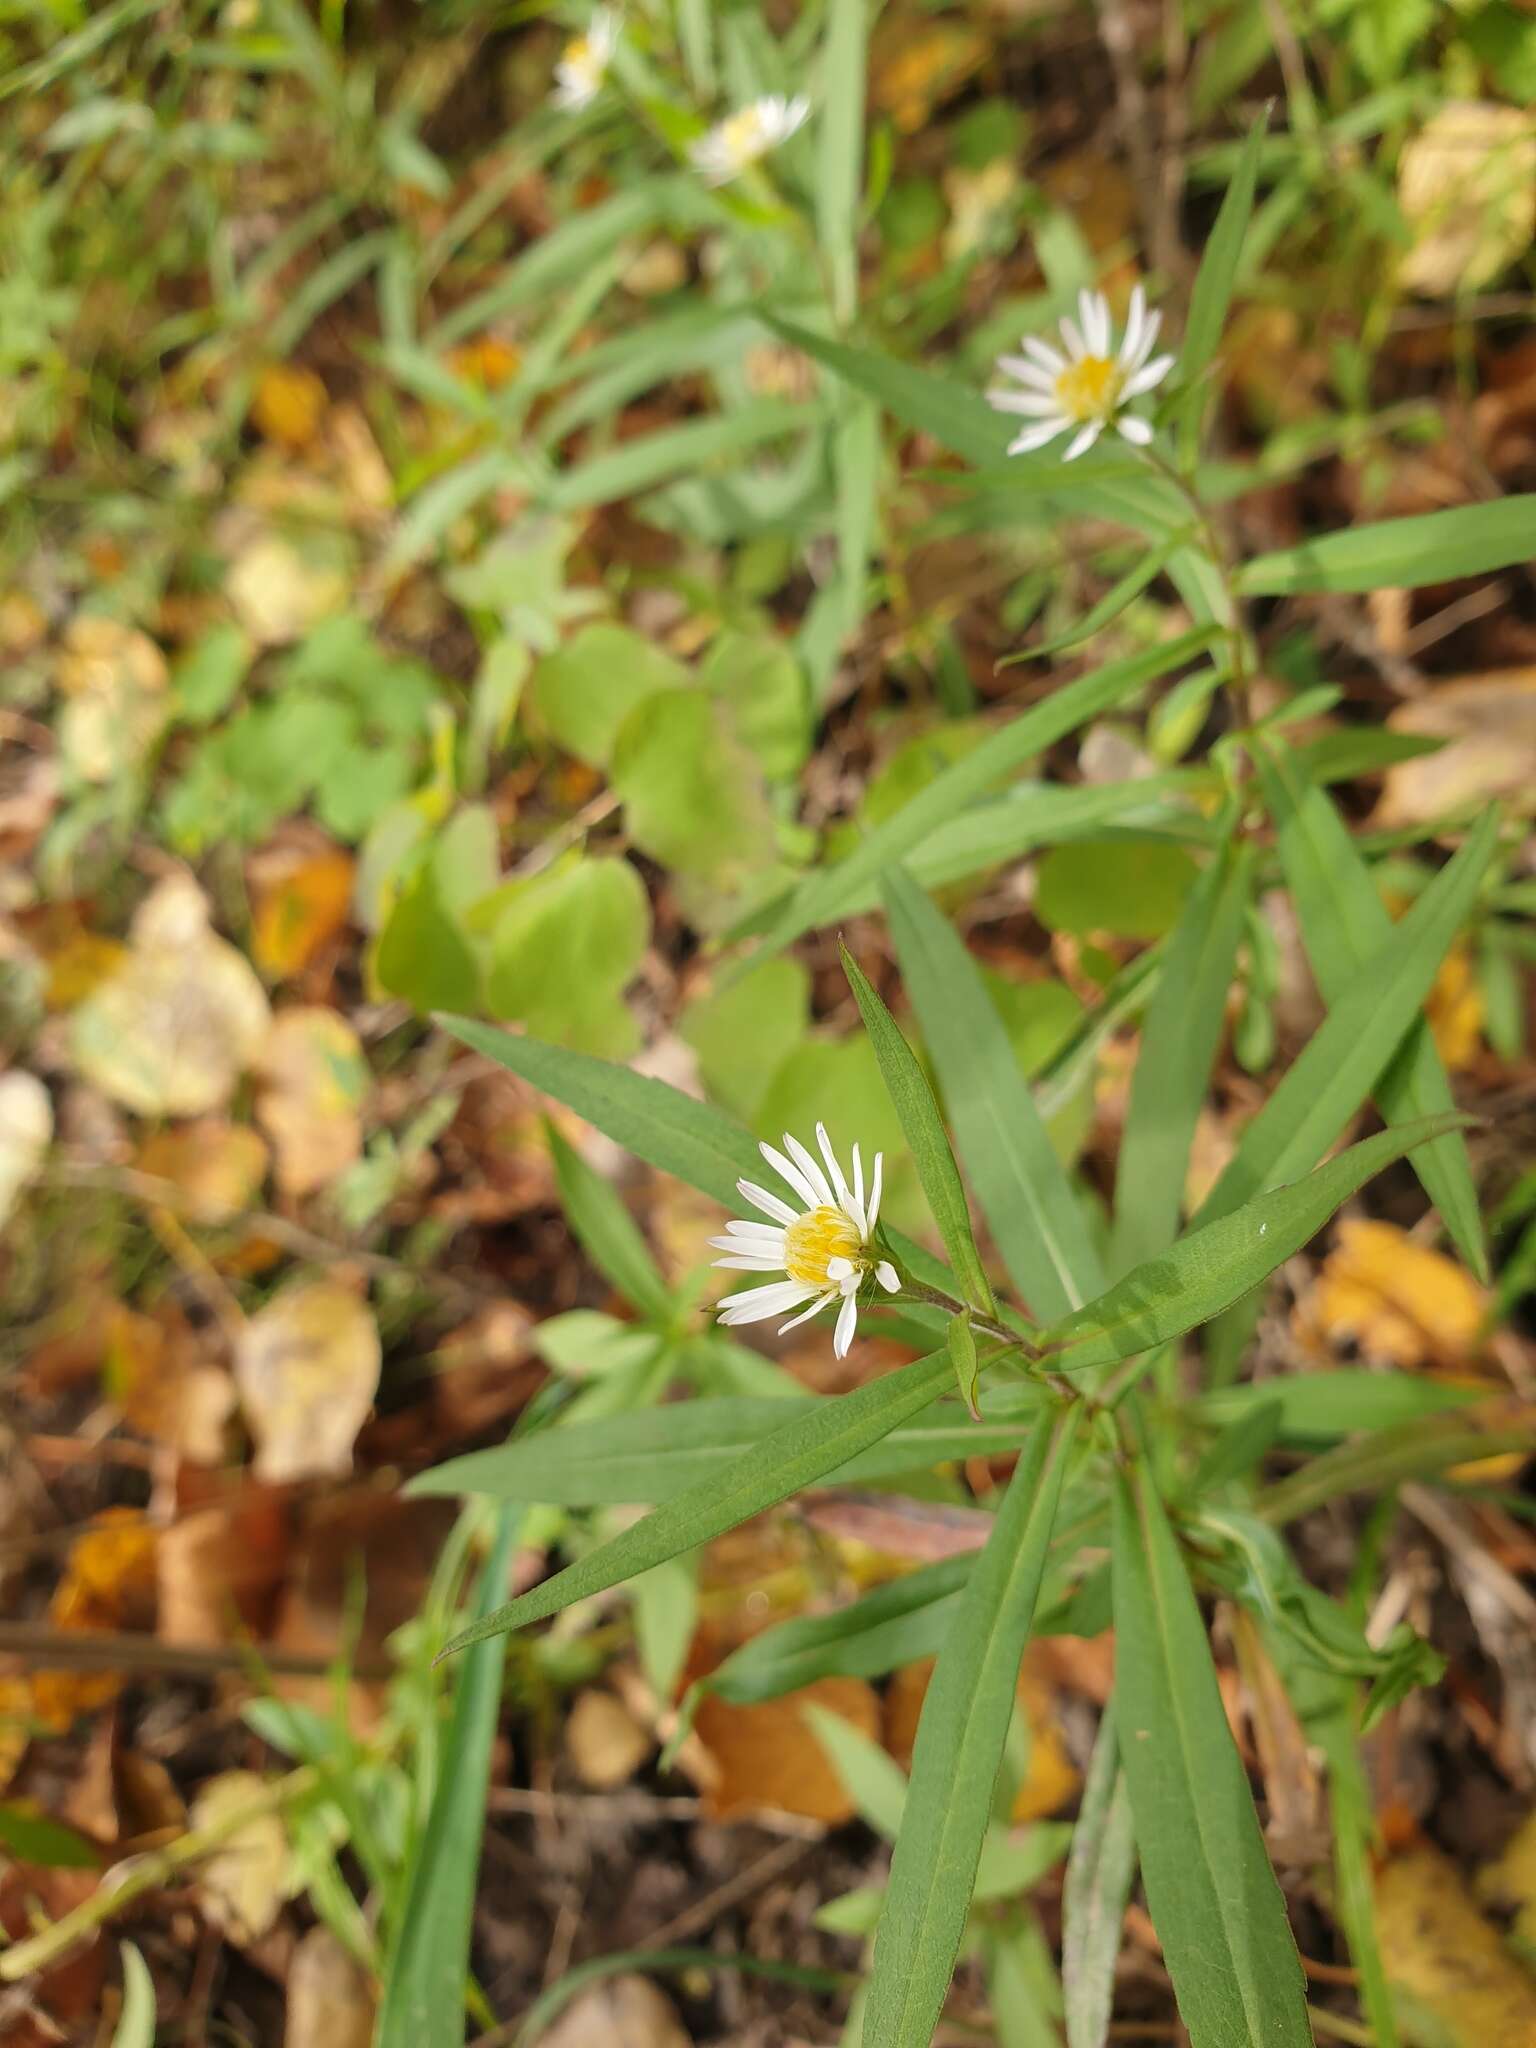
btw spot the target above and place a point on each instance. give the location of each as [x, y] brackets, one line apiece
[701, 1916]
[53, 1649]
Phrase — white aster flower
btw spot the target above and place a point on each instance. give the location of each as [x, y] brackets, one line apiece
[825, 1245]
[584, 61]
[741, 138]
[1088, 387]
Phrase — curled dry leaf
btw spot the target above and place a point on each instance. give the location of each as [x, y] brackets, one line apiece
[244, 1882]
[218, 1166]
[307, 1369]
[170, 1033]
[1489, 726]
[315, 1080]
[113, 679]
[1466, 184]
[26, 1128]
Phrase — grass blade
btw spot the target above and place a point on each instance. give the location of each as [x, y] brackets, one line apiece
[907, 1086]
[960, 1742]
[964, 781]
[793, 1456]
[1179, 1037]
[1100, 1868]
[1212, 293]
[1218, 1262]
[609, 1234]
[1215, 1902]
[423, 1999]
[1432, 547]
[658, 1453]
[1031, 1210]
[136, 2022]
[840, 156]
[1360, 1034]
[1409, 1450]
[1343, 922]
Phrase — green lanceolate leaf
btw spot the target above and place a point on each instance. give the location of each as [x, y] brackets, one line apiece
[1100, 1868]
[1215, 1903]
[925, 1134]
[1408, 1450]
[1320, 1407]
[1212, 293]
[1360, 1034]
[136, 2022]
[1343, 924]
[959, 1746]
[1034, 1216]
[801, 1452]
[1214, 1265]
[958, 786]
[609, 1234]
[423, 2001]
[962, 1356]
[1179, 1038]
[1434, 547]
[656, 1122]
[659, 1453]
[840, 155]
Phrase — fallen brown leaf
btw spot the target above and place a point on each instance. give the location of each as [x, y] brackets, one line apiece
[315, 1080]
[307, 1369]
[1439, 1948]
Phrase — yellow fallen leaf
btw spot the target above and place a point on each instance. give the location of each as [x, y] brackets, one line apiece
[1489, 726]
[113, 679]
[158, 1374]
[915, 70]
[244, 1882]
[487, 362]
[1440, 1950]
[604, 1741]
[108, 1583]
[277, 594]
[1455, 1009]
[1400, 1302]
[26, 1130]
[315, 1082]
[171, 1032]
[1466, 184]
[1508, 1884]
[288, 405]
[299, 905]
[219, 1166]
[307, 1369]
[330, 1996]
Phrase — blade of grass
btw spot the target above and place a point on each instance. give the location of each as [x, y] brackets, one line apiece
[1212, 294]
[423, 1997]
[1408, 1450]
[907, 1086]
[959, 1746]
[1217, 1907]
[136, 2022]
[840, 153]
[1361, 1032]
[1433, 547]
[1100, 1869]
[1035, 1218]
[781, 1464]
[1215, 1263]
[1343, 923]
[1179, 1037]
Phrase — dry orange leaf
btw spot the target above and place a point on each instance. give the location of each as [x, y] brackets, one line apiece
[316, 1079]
[222, 1568]
[1438, 1948]
[307, 1367]
[167, 1388]
[1400, 1302]
[301, 902]
[487, 362]
[1051, 1778]
[289, 405]
[108, 1583]
[1456, 1009]
[604, 1741]
[219, 1166]
[767, 1755]
[914, 71]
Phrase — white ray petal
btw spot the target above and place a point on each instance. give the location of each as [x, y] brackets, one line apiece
[792, 1175]
[888, 1277]
[1144, 379]
[1074, 340]
[759, 1247]
[1133, 326]
[748, 1264]
[806, 1160]
[1038, 405]
[847, 1322]
[1083, 441]
[1133, 430]
[751, 1304]
[1050, 359]
[752, 1228]
[835, 1172]
[1035, 375]
[874, 1192]
[1036, 437]
[771, 1205]
[839, 1269]
[1146, 342]
[805, 1315]
[1093, 311]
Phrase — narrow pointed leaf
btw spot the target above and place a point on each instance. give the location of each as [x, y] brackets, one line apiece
[1363, 1029]
[1213, 1265]
[1035, 1218]
[959, 1746]
[1343, 923]
[1179, 1038]
[907, 1086]
[794, 1456]
[958, 786]
[1212, 294]
[840, 154]
[1217, 1907]
[136, 2022]
[609, 1234]
[1417, 1449]
[1432, 547]
[1100, 1869]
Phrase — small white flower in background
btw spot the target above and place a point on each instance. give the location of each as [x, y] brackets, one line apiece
[825, 1245]
[741, 138]
[1090, 385]
[584, 61]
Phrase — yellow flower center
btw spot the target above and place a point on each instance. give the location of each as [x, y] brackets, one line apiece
[1088, 388]
[742, 135]
[814, 1238]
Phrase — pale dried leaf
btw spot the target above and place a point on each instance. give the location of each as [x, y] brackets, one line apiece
[316, 1079]
[330, 1997]
[26, 1129]
[1489, 725]
[1467, 187]
[604, 1741]
[307, 1369]
[626, 2012]
[244, 1881]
